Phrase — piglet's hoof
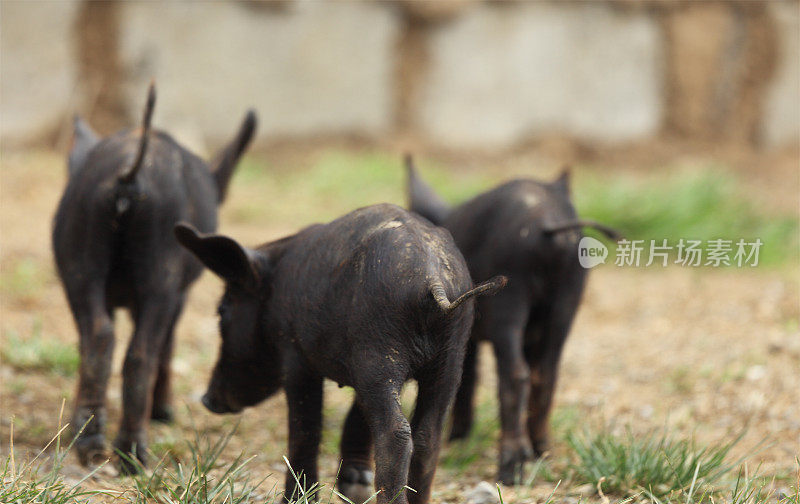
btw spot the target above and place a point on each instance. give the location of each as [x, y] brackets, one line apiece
[131, 456]
[540, 447]
[91, 449]
[129, 465]
[512, 462]
[356, 483]
[163, 414]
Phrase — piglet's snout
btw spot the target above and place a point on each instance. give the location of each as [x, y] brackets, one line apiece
[214, 406]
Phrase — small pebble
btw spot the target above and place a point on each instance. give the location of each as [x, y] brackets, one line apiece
[587, 489]
[755, 373]
[483, 493]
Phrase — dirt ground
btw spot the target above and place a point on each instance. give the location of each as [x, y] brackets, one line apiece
[706, 353]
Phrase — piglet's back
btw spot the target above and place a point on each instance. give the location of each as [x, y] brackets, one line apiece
[376, 258]
[166, 168]
[507, 226]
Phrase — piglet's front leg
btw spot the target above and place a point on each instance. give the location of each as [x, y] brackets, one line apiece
[304, 396]
[391, 433]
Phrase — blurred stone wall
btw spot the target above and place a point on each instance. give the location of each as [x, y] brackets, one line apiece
[460, 74]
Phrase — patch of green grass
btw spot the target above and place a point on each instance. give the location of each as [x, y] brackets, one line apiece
[333, 417]
[39, 480]
[689, 475]
[460, 455]
[680, 380]
[31, 429]
[565, 419]
[332, 423]
[39, 353]
[654, 463]
[334, 183]
[16, 386]
[792, 495]
[169, 447]
[702, 205]
[745, 489]
[203, 479]
[22, 279]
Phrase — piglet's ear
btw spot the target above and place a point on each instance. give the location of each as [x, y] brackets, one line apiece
[225, 162]
[84, 140]
[421, 197]
[224, 256]
[562, 182]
